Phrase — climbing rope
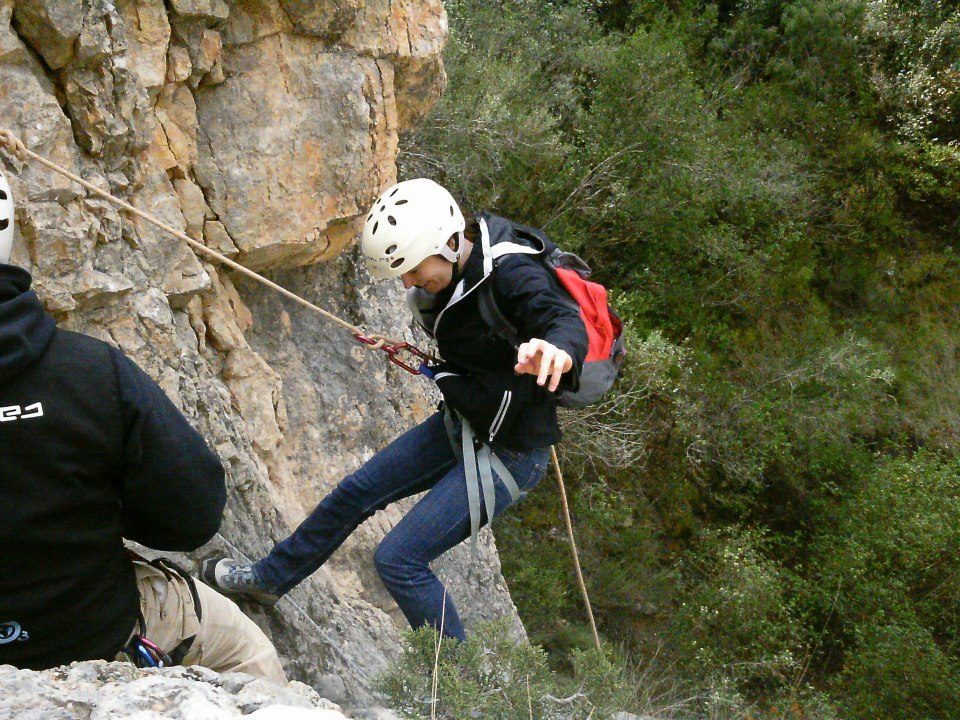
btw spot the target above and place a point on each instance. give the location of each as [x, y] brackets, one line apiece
[573, 547]
[394, 349]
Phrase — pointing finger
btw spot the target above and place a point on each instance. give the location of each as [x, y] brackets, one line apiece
[546, 360]
[558, 364]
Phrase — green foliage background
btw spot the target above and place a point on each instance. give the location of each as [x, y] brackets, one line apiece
[770, 509]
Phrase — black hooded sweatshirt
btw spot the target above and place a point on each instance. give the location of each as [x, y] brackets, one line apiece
[477, 377]
[91, 450]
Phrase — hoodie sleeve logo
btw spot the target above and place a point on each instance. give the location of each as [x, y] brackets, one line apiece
[12, 632]
[10, 413]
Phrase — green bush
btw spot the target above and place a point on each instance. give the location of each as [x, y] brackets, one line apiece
[889, 557]
[771, 188]
[735, 615]
[494, 676]
[899, 672]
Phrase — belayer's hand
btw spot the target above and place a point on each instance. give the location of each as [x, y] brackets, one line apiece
[540, 358]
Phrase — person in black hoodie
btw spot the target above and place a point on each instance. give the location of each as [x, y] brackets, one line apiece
[92, 451]
[488, 446]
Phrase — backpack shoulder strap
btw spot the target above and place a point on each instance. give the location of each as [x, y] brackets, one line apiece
[490, 310]
[512, 248]
[493, 316]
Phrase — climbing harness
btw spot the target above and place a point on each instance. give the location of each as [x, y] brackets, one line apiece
[375, 342]
[479, 465]
[140, 649]
[394, 349]
[144, 653]
[480, 462]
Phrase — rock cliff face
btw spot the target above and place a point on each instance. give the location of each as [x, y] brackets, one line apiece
[264, 129]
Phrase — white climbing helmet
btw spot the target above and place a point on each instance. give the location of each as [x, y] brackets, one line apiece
[410, 222]
[6, 219]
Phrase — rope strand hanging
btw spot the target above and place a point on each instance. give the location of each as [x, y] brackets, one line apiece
[573, 548]
[392, 348]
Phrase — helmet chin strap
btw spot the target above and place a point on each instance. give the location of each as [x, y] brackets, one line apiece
[448, 253]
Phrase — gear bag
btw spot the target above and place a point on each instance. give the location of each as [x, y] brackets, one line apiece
[606, 351]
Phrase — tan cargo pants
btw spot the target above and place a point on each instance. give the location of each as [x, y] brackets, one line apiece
[225, 640]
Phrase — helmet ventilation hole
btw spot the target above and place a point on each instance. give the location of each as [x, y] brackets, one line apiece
[391, 219]
[395, 191]
[3, 195]
[369, 217]
[396, 263]
[451, 211]
[390, 250]
[401, 202]
[382, 208]
[375, 226]
[3, 224]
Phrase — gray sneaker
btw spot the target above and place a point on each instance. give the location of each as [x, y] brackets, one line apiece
[231, 578]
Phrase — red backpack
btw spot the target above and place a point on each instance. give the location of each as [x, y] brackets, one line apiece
[606, 351]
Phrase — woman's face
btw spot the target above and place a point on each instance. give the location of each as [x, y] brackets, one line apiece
[433, 275]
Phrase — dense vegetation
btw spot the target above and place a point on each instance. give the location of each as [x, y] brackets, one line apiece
[769, 510]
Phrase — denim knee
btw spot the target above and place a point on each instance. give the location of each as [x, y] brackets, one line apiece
[392, 564]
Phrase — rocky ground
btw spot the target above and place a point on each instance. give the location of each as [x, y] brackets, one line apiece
[115, 691]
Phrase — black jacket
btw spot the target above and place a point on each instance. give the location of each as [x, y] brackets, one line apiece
[477, 377]
[91, 450]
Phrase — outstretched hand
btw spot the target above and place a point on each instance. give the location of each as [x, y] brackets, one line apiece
[540, 358]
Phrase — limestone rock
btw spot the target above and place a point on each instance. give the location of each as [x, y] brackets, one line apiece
[216, 237]
[119, 690]
[51, 27]
[279, 172]
[192, 205]
[323, 18]
[147, 39]
[255, 19]
[413, 42]
[107, 103]
[176, 113]
[179, 66]
[212, 9]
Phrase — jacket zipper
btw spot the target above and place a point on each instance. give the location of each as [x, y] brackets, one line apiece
[501, 414]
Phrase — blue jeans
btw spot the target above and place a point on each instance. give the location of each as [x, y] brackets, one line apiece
[420, 459]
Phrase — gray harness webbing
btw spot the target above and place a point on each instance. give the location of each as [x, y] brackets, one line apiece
[479, 465]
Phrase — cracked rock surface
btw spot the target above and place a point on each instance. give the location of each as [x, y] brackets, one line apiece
[95, 690]
[263, 129]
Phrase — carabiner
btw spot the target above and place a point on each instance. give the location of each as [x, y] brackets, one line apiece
[394, 350]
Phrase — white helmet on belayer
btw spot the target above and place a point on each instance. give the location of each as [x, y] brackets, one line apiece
[6, 219]
[410, 222]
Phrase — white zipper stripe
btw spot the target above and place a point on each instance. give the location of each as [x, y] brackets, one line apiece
[442, 375]
[503, 402]
[458, 293]
[501, 414]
